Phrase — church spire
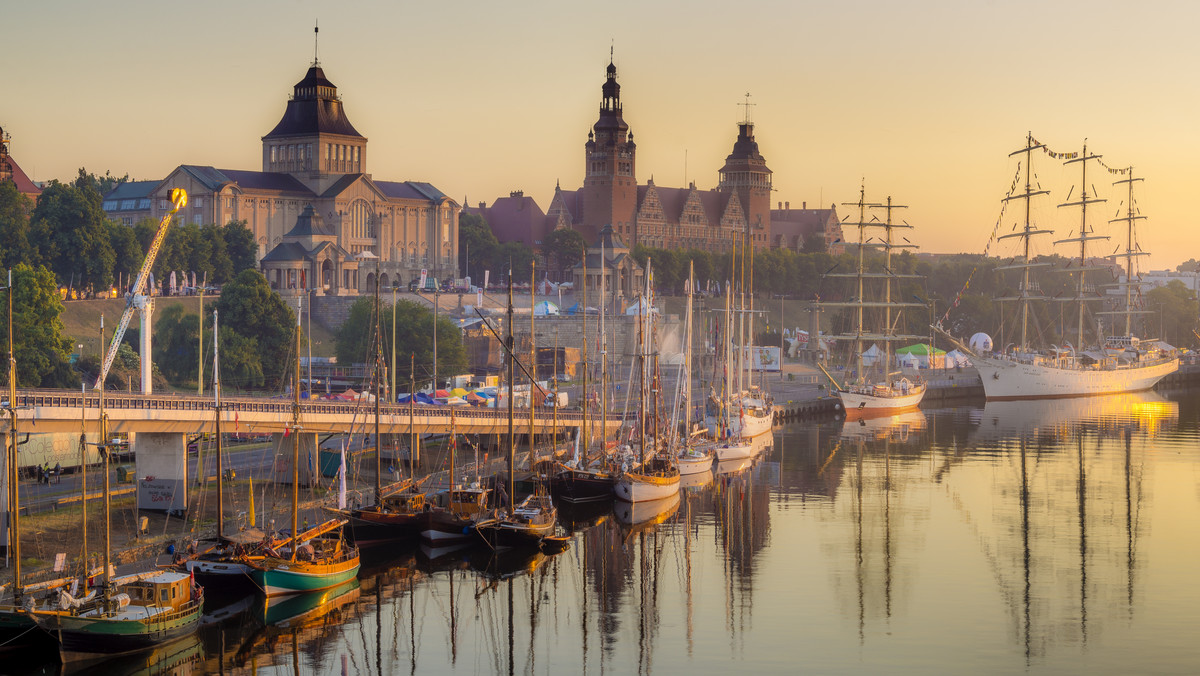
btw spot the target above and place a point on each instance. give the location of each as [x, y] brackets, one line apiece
[316, 34]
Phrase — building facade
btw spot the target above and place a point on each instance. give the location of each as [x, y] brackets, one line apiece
[314, 157]
[658, 216]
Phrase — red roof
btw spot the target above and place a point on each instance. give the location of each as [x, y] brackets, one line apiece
[24, 185]
[516, 218]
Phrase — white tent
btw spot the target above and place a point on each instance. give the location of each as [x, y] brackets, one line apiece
[956, 358]
[545, 308]
[636, 309]
[872, 356]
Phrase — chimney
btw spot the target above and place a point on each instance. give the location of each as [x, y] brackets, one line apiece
[787, 205]
[781, 206]
[804, 205]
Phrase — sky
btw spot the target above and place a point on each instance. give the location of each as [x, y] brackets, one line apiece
[922, 101]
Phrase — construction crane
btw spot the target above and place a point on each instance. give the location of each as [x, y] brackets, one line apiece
[142, 302]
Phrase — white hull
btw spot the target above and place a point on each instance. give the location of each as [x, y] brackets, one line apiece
[733, 450]
[747, 426]
[630, 489]
[694, 464]
[1005, 379]
[870, 404]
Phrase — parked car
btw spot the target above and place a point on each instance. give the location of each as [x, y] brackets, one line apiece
[430, 285]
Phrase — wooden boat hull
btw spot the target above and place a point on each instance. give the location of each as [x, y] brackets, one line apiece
[277, 577]
[502, 533]
[694, 464]
[639, 487]
[85, 638]
[442, 527]
[733, 450]
[371, 528]
[865, 405]
[579, 486]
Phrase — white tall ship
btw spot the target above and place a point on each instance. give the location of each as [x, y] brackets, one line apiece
[883, 393]
[1118, 363]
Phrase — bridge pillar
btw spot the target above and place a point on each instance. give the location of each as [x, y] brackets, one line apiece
[162, 470]
[282, 451]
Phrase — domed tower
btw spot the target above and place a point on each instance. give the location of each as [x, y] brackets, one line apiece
[315, 140]
[609, 183]
[746, 174]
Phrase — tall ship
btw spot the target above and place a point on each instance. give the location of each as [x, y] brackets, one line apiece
[873, 389]
[1117, 363]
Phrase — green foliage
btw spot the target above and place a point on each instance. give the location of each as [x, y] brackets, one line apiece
[240, 246]
[101, 185]
[251, 309]
[176, 344]
[127, 252]
[414, 336]
[565, 247]
[475, 239]
[241, 366]
[40, 349]
[15, 246]
[1178, 307]
[517, 254]
[71, 231]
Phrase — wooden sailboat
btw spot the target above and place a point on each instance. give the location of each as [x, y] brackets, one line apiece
[534, 519]
[224, 567]
[577, 481]
[692, 458]
[886, 395]
[312, 563]
[125, 615]
[451, 516]
[657, 476]
[396, 513]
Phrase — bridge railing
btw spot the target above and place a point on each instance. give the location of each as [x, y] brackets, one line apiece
[176, 402]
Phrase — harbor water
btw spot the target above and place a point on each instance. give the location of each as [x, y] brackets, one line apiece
[1018, 537]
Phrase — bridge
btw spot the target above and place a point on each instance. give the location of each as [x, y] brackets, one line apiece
[158, 426]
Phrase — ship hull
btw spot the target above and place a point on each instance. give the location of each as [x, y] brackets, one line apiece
[752, 424]
[280, 577]
[863, 405]
[637, 487]
[1005, 380]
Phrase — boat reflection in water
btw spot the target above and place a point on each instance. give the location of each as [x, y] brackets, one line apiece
[178, 658]
[1055, 418]
[638, 515]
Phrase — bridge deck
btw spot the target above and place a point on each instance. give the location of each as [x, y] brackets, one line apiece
[62, 411]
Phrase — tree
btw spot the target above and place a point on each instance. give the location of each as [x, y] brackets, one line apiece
[102, 185]
[1191, 265]
[1177, 309]
[251, 309]
[477, 246]
[71, 231]
[414, 336]
[241, 366]
[176, 344]
[240, 246]
[566, 247]
[15, 246]
[517, 256]
[127, 253]
[40, 349]
[222, 265]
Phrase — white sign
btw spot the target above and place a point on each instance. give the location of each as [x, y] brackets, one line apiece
[486, 276]
[763, 358]
[421, 284]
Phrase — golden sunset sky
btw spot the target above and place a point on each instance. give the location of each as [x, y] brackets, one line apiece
[922, 100]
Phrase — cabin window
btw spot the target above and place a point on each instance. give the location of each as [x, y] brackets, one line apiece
[174, 592]
[163, 596]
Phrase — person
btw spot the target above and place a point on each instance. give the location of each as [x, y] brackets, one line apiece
[502, 496]
[58, 472]
[46, 473]
[39, 474]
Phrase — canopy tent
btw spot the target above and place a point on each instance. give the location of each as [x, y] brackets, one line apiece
[636, 308]
[546, 287]
[923, 355]
[545, 308]
[955, 358]
[872, 356]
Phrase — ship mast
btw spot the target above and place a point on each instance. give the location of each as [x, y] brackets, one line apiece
[888, 244]
[1085, 233]
[1132, 249]
[1026, 234]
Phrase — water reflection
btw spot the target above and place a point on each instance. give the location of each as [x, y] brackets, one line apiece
[1005, 537]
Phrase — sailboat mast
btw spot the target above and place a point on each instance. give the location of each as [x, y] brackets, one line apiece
[13, 488]
[106, 461]
[217, 412]
[1085, 235]
[887, 293]
[1029, 147]
[295, 442]
[511, 377]
[687, 355]
[532, 355]
[862, 243]
[603, 355]
[583, 432]
[378, 387]
[412, 429]
[1131, 248]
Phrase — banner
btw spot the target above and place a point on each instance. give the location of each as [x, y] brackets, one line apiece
[421, 284]
[486, 276]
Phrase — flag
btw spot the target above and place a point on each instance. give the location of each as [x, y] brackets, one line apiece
[236, 426]
[286, 431]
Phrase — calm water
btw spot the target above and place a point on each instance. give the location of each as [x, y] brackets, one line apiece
[1020, 537]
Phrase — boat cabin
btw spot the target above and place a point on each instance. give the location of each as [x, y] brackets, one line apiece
[167, 590]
